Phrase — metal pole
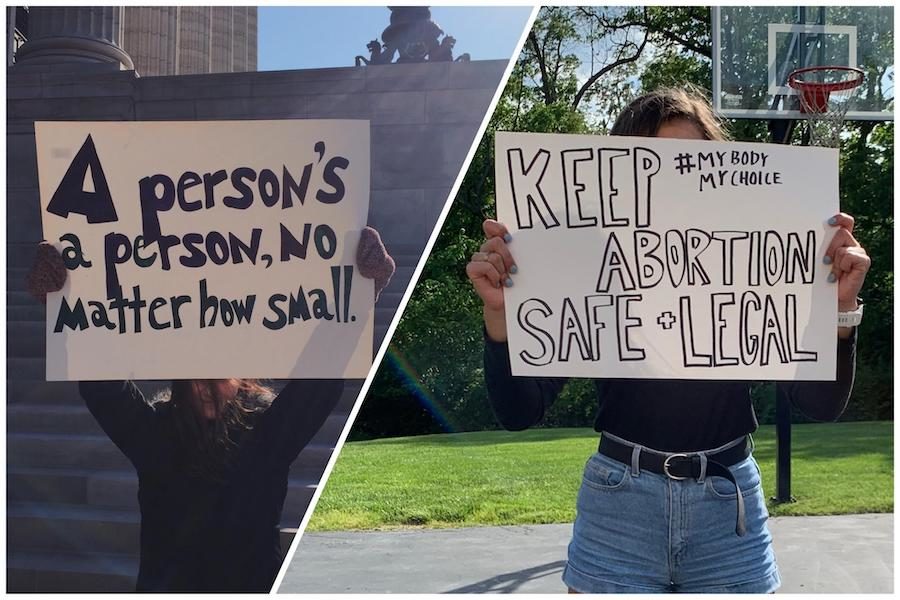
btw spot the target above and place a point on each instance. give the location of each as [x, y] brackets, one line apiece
[781, 134]
[781, 129]
[716, 16]
[782, 447]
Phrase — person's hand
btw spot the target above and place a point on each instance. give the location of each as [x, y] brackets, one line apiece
[849, 265]
[849, 262]
[373, 260]
[489, 271]
[48, 272]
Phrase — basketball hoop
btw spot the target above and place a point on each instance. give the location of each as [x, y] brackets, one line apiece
[825, 94]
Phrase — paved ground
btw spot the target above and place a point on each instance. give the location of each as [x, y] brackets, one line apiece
[846, 554]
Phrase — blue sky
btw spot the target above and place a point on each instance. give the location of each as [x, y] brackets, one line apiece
[313, 37]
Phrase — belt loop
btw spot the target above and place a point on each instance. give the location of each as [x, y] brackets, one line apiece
[702, 467]
[636, 460]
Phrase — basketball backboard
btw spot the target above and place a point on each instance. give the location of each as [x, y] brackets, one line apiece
[755, 49]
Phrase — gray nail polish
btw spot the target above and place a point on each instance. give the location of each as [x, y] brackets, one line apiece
[826, 260]
[832, 221]
[508, 282]
[507, 237]
[832, 277]
[514, 269]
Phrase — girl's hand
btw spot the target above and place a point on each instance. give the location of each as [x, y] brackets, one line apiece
[849, 262]
[489, 271]
[373, 260]
[48, 272]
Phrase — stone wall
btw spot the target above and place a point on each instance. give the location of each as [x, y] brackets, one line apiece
[72, 509]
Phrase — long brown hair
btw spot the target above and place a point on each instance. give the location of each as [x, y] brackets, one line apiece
[646, 114]
[210, 444]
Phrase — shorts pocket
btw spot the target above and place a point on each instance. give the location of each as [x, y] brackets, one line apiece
[747, 475]
[604, 473]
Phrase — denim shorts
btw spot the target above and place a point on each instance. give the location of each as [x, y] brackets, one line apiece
[643, 532]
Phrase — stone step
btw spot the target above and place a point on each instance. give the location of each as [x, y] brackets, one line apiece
[26, 385]
[300, 492]
[21, 254]
[17, 296]
[25, 339]
[84, 451]
[17, 272]
[35, 390]
[79, 529]
[287, 536]
[78, 451]
[116, 489]
[307, 472]
[65, 486]
[24, 368]
[75, 418]
[27, 312]
[331, 429]
[34, 571]
[72, 528]
[31, 391]
[50, 418]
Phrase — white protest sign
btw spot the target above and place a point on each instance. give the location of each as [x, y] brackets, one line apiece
[660, 258]
[207, 249]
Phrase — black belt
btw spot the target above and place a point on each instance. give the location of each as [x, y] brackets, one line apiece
[685, 465]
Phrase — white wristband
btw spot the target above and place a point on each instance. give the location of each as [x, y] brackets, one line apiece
[850, 319]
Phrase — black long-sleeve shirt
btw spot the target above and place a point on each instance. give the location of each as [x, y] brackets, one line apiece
[669, 415]
[203, 535]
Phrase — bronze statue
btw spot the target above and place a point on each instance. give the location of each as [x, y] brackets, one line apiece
[377, 56]
[444, 52]
[414, 37]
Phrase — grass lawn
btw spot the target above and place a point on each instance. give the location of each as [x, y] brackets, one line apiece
[504, 478]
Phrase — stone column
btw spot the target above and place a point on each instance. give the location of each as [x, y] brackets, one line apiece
[150, 38]
[220, 47]
[193, 40]
[61, 34]
[239, 39]
[251, 38]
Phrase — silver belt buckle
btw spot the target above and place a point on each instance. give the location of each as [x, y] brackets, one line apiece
[666, 466]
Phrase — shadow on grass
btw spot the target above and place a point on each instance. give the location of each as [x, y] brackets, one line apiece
[821, 442]
[812, 442]
[490, 438]
[507, 583]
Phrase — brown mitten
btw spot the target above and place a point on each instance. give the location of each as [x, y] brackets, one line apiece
[373, 260]
[48, 272]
